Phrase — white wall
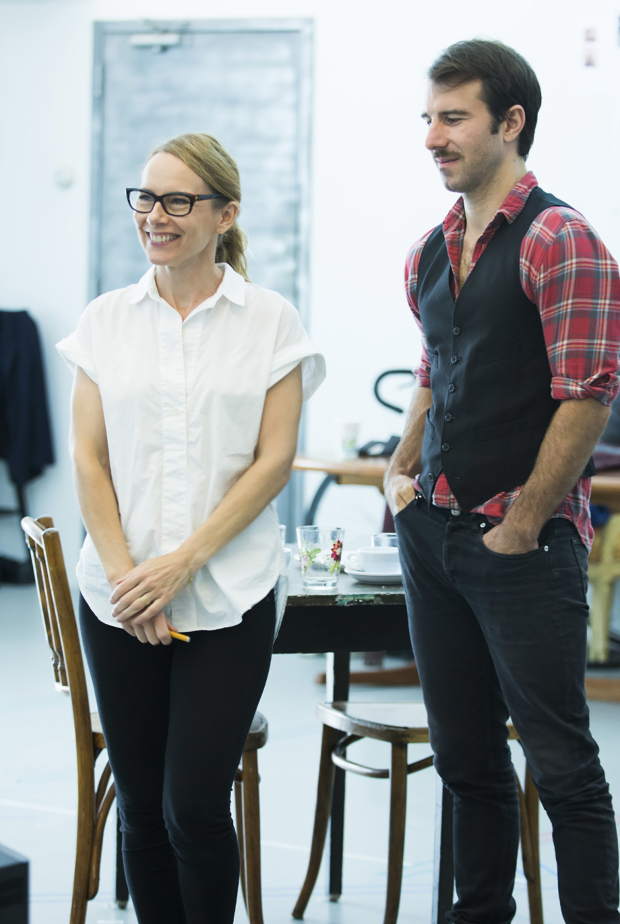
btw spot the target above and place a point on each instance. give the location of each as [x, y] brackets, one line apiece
[375, 188]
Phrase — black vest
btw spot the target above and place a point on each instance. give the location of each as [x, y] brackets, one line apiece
[490, 375]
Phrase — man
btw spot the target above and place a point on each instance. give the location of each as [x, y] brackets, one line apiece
[517, 299]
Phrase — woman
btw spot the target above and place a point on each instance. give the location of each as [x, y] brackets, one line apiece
[185, 408]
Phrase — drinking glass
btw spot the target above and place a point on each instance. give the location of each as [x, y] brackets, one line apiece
[320, 552]
[389, 539]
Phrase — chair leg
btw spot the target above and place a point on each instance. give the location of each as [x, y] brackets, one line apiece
[534, 891]
[84, 847]
[240, 837]
[251, 826]
[321, 818]
[398, 811]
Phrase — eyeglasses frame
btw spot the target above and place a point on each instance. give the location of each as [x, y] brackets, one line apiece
[193, 199]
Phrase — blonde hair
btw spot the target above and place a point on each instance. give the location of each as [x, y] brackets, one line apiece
[204, 155]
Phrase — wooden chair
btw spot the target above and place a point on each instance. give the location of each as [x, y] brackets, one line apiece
[95, 801]
[399, 724]
[603, 572]
[247, 812]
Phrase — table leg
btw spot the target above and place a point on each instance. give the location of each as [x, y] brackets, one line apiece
[337, 671]
[443, 873]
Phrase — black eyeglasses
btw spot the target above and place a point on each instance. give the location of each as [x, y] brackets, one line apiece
[174, 203]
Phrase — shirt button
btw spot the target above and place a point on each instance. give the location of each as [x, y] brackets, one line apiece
[454, 358]
[448, 417]
[175, 411]
[456, 331]
[445, 447]
[455, 513]
[451, 388]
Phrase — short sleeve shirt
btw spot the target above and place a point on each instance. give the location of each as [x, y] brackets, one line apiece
[183, 403]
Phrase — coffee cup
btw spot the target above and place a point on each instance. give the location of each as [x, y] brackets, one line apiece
[376, 560]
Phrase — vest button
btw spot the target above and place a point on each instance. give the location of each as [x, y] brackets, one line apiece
[431, 477]
[455, 513]
[454, 358]
[445, 447]
[456, 331]
[451, 388]
[448, 417]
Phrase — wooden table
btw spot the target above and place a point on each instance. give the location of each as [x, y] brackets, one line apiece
[605, 487]
[605, 490]
[357, 617]
[346, 471]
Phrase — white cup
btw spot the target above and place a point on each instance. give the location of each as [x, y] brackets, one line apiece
[376, 560]
[347, 432]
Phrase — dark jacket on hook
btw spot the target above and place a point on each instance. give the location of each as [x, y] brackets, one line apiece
[25, 437]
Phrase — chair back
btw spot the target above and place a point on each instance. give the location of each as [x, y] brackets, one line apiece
[43, 542]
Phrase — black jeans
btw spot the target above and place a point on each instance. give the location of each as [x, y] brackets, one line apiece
[175, 720]
[499, 636]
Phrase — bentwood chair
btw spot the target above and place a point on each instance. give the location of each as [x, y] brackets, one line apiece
[603, 572]
[95, 799]
[247, 812]
[399, 724]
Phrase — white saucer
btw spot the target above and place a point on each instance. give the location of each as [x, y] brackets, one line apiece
[367, 577]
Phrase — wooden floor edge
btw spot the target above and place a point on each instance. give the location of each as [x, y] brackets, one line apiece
[606, 689]
[405, 676]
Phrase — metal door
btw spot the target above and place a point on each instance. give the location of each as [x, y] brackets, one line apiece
[248, 83]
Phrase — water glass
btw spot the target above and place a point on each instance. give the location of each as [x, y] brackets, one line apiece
[385, 539]
[320, 552]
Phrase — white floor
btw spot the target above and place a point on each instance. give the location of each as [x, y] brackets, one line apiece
[37, 797]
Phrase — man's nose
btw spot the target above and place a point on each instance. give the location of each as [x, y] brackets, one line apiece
[436, 136]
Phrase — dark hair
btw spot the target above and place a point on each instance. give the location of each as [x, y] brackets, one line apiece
[507, 80]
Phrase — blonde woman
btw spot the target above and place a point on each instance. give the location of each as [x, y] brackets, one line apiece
[186, 401]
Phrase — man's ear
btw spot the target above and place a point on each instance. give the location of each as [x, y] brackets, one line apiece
[513, 122]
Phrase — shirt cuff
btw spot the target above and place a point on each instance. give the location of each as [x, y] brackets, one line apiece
[603, 388]
[422, 374]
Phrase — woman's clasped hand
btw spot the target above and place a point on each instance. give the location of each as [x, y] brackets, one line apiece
[140, 596]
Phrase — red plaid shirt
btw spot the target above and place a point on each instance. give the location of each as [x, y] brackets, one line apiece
[568, 273]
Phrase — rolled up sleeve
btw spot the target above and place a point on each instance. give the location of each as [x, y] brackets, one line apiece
[77, 348]
[423, 372]
[293, 346]
[571, 277]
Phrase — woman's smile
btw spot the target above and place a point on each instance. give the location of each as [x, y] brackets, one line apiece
[158, 240]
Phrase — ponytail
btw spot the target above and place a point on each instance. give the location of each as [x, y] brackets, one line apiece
[231, 249]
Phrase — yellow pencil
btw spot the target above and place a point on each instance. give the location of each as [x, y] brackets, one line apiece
[181, 638]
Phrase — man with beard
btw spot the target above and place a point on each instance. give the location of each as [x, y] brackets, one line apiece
[517, 299]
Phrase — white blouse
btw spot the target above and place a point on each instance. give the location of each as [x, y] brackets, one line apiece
[183, 402]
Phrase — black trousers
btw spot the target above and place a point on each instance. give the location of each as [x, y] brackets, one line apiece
[498, 636]
[175, 720]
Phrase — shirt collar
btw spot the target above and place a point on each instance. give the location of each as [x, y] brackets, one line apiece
[511, 207]
[231, 287]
